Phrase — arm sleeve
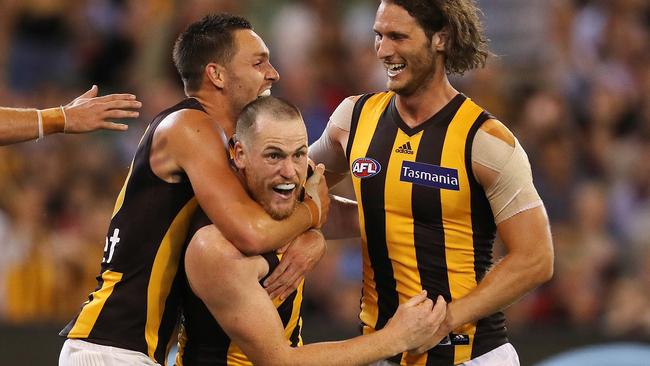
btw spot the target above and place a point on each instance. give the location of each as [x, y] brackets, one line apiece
[512, 191]
[328, 151]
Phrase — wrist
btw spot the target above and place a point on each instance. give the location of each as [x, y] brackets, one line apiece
[393, 343]
[314, 212]
[52, 120]
[305, 215]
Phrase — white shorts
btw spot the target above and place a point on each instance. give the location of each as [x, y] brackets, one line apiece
[504, 355]
[76, 352]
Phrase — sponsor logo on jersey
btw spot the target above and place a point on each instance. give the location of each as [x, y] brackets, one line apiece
[405, 149]
[365, 167]
[429, 175]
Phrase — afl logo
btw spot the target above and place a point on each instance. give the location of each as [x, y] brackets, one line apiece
[365, 168]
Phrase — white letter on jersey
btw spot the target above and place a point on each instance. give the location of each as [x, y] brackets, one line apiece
[114, 240]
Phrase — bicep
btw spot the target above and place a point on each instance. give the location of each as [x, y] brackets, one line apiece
[527, 233]
[329, 149]
[199, 152]
[227, 283]
[252, 322]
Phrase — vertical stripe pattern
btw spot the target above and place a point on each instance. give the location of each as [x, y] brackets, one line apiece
[364, 127]
[92, 309]
[457, 219]
[143, 243]
[164, 270]
[433, 230]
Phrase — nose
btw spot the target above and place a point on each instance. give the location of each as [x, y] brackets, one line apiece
[288, 169]
[383, 48]
[272, 74]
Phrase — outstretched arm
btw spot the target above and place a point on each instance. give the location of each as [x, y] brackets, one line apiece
[86, 113]
[242, 307]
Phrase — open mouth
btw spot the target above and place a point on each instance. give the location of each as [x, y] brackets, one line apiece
[394, 69]
[285, 189]
[264, 93]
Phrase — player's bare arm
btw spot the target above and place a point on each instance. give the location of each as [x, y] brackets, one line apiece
[85, 113]
[190, 143]
[329, 149]
[242, 307]
[523, 227]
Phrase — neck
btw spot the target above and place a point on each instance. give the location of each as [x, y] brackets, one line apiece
[218, 108]
[428, 100]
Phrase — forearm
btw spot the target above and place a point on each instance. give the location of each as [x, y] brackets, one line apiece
[343, 219]
[258, 232]
[17, 125]
[361, 350]
[507, 282]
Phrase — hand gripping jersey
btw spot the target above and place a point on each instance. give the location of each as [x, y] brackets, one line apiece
[425, 221]
[203, 342]
[136, 303]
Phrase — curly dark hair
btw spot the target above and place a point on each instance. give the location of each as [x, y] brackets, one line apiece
[208, 40]
[466, 47]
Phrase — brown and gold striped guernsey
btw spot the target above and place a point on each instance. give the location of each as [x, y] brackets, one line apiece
[425, 220]
[203, 342]
[136, 303]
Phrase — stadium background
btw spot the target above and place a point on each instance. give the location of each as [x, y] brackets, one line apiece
[572, 80]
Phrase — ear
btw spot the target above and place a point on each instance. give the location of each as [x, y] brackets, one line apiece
[239, 155]
[216, 74]
[439, 40]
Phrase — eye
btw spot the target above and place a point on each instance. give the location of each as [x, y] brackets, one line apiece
[274, 156]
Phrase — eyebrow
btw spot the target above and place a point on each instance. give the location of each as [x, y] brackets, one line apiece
[273, 148]
[391, 33]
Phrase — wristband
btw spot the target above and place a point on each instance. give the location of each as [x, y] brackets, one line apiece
[314, 211]
[53, 120]
[40, 124]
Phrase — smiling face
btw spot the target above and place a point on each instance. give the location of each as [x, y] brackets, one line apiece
[249, 73]
[273, 161]
[402, 45]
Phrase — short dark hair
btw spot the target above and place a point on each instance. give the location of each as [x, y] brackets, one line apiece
[204, 41]
[278, 108]
[466, 47]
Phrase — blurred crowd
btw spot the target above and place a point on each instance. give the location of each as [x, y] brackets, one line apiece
[570, 78]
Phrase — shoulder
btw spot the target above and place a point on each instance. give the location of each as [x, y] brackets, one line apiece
[186, 118]
[498, 130]
[187, 125]
[493, 145]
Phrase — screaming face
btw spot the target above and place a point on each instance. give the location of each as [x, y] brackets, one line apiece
[273, 161]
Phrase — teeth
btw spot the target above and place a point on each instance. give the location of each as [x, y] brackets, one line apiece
[285, 186]
[394, 69]
[265, 93]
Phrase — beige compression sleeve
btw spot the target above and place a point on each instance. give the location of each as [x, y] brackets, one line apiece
[512, 191]
[328, 151]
